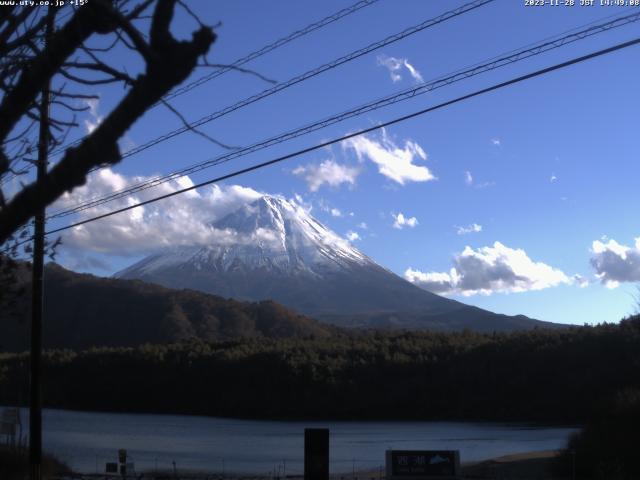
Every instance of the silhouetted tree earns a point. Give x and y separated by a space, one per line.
76 57
73 61
567 376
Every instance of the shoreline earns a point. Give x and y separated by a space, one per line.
300 419
524 465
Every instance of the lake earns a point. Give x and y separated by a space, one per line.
87 440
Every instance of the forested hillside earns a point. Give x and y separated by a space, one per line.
81 311
541 375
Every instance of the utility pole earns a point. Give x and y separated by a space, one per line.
35 400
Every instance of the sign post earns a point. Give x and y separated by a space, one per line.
422 464
316 454
122 461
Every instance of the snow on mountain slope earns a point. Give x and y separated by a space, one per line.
270 233
273 249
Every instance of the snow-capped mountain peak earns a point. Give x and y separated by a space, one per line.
270 233
273 249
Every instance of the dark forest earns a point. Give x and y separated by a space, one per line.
564 376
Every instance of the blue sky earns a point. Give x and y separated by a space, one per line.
496 201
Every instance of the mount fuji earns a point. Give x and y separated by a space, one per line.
274 249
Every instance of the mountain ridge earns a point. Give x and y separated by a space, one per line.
274 249
83 311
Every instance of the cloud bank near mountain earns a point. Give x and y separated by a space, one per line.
487 270
180 220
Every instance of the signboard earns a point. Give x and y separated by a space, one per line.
316 454
414 464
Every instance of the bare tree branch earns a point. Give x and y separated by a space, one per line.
22 39
87 20
238 69
191 128
13 23
70 107
135 13
190 13
139 43
88 81
79 96
168 63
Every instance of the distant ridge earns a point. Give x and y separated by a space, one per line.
280 252
83 311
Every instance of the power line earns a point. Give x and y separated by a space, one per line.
247 58
496 62
403 118
278 43
492 64
309 74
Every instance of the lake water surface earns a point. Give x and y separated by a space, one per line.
86 440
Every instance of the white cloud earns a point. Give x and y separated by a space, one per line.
393 162
553 178
395 65
436 282
488 270
353 236
496 142
328 172
400 221
362 226
333 211
95 119
180 220
413 71
580 281
473 228
470 181
615 263
306 206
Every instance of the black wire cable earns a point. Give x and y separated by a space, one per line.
307 75
241 61
278 43
494 63
403 118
